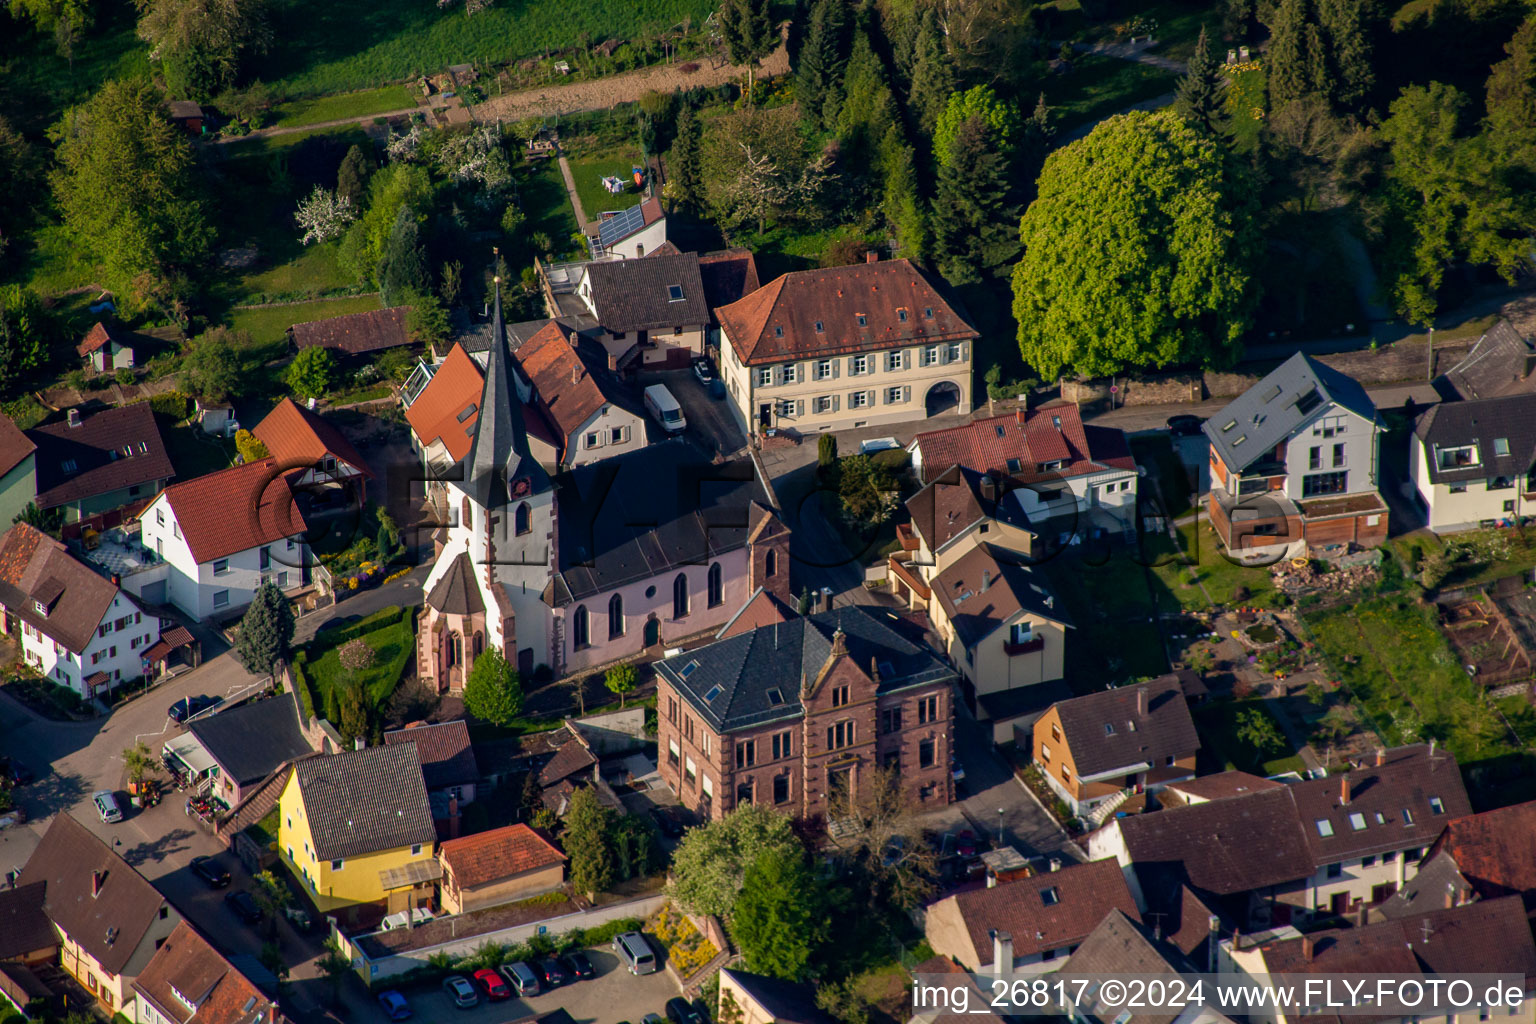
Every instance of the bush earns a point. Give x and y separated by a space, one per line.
894 459
123 376
175 404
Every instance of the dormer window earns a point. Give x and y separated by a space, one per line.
901 315
1456 458
1051 896
1109 728
927 314
674 293
820 327
1015 466
1001 430
863 320
40 608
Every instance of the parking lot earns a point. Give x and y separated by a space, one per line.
614 995
711 424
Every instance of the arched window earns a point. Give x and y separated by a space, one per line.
771 563
680 596
467 516
716 586
581 628
478 644
521 519
615 616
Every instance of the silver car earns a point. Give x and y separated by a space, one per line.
461 991
106 806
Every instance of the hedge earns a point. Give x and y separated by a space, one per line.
539 945
301 684
336 637
174 404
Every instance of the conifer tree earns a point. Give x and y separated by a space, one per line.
1289 74
266 630
933 75
973 222
685 179
1351 27
1201 97
823 56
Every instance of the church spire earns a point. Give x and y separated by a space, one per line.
500 465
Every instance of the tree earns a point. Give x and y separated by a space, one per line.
126 185
427 322
528 129
1512 88
403 263
710 864
24 331
352 176
586 842
493 693
211 367
622 680
452 282
821 61
1258 730
867 490
67 20
748 28
685 186
826 453
980 101
1350 28
1288 67
139 761
200 43
49 522
973 219
886 839
353 709
1170 217
400 185
902 204
1201 96
271 957
311 372
780 918
266 630
249 446
334 966
323 216
272 897
933 74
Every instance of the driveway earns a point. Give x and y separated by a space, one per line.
711 424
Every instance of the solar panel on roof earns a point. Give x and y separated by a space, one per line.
620 226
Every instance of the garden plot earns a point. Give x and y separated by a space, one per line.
1483 641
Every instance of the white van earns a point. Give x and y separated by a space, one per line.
660 404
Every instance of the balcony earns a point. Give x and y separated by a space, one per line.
907 538
1013 650
909 579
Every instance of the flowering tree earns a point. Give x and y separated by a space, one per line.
356 655
323 215
403 147
477 157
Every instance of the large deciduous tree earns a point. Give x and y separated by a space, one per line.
1138 252
212 367
980 101
493 692
23 334
780 918
126 186
200 43
710 864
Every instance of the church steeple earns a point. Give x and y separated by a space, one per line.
500 466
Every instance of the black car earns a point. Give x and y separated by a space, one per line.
244 906
551 973
578 966
681 1011
210 871
189 706
1184 424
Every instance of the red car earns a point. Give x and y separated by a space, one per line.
492 984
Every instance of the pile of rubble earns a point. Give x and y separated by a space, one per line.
1302 576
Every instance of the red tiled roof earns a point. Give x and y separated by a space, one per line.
14 445
1494 850
355 333
1052 433
188 966
564 385
298 437
95 338
448 407
497 854
1084 893
761 609
837 297
235 509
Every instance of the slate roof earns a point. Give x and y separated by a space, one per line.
24 927
1222 847
108 926
488 857
364 801
1494 850
1038 919
499 465
1121 947
985 589
1389 808
777 322
250 741
14 445
299 437
1272 410
449 406
35 567
1482 423
746 667
1019 445
111 449
447 757
189 966
635 295
785 1002
1499 364
355 333
457 593
647 512
1224 785
728 275
235 509
1142 723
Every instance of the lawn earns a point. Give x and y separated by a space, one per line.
392 636
41 83
269 324
193 452
1403 677
1246 102
588 170
1201 553
383 100
541 192
1217 725
1097 87
1114 636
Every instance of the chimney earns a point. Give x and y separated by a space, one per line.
872 257
1307 948
1141 701
1381 756
1344 790
1212 942
98 879
988 488
74 418
1450 896
1002 952
986 580
1055 863
1431 746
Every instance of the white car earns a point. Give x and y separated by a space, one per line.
106 806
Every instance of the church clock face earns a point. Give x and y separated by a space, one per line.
520 488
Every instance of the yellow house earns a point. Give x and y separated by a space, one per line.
356 828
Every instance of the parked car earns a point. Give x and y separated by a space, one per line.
578 965
461 991
492 984
107 806
394 1005
636 952
299 918
210 871
244 906
522 978
703 370
550 973
965 844
681 1011
189 706
1185 425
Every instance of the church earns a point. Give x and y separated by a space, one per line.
598 564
